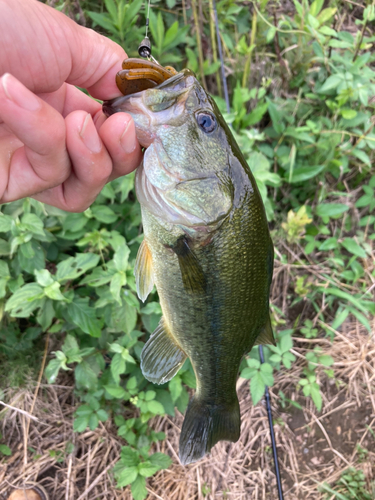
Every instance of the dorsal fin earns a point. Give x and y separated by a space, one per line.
144 277
266 335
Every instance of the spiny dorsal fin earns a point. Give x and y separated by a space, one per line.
266 335
161 356
191 270
144 277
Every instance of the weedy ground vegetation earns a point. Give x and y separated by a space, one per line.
302 88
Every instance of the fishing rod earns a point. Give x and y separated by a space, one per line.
261 354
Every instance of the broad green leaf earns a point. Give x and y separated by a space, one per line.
147 469
5 450
127 476
44 277
121 257
117 367
24 300
102 20
352 246
53 291
175 387
81 423
333 210
85 376
316 396
5 223
72 267
156 407
257 388
116 391
331 83
4 247
129 457
32 223
301 174
161 460
84 316
139 490
52 370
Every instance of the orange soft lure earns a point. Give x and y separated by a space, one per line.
141 74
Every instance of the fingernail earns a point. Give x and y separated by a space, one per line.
90 136
20 95
128 138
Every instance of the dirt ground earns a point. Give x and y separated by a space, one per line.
313 447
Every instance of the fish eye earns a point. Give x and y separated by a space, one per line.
206 121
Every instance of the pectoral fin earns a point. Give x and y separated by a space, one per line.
266 335
191 270
144 277
161 357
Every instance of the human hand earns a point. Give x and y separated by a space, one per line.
55 143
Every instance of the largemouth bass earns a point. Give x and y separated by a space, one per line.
206 247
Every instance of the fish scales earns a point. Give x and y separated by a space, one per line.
207 248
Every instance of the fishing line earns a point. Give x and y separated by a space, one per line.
261 355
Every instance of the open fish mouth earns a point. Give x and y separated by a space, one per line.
152 107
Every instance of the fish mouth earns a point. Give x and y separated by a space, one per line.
152 107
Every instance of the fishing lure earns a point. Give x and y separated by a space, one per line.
141 74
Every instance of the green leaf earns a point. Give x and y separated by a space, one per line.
331 83
129 457
147 469
32 223
102 20
316 396
334 210
4 247
84 316
81 423
117 367
352 246
104 214
121 257
112 9
139 490
5 223
257 388
52 370
116 391
5 450
43 277
160 460
53 291
301 174
24 300
71 268
85 376
127 476
93 421
155 407
175 387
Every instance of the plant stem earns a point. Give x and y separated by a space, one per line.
247 69
199 43
213 45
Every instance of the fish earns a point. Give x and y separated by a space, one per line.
206 248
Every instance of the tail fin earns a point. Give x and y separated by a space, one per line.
204 426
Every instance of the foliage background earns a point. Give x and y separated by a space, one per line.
302 87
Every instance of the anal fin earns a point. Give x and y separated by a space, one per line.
144 277
161 356
266 335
